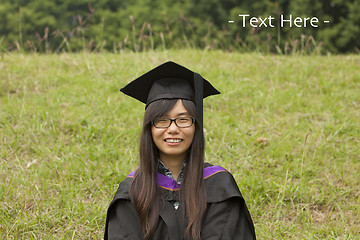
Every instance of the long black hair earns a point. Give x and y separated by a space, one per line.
144 191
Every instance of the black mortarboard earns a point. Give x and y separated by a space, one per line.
171 81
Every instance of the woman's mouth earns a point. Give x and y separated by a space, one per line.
173 140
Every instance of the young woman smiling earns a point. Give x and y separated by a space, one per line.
174 140
174 194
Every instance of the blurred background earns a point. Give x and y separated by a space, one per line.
140 25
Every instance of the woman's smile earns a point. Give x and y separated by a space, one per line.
173 141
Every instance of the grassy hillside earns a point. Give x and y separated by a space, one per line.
287 127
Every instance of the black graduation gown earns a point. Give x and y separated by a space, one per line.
226 216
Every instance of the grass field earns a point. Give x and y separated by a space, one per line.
287 127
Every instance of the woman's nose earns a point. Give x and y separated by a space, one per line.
173 128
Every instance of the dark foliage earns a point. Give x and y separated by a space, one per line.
115 25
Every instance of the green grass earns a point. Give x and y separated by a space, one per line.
287 127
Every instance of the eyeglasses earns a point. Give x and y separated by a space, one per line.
181 122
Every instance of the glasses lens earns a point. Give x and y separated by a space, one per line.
162 122
184 122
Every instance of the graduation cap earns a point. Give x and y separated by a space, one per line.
171 81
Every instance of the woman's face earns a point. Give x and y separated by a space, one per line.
173 142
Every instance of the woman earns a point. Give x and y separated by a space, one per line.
174 194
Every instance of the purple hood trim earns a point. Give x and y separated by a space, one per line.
209 171
170 184
131 175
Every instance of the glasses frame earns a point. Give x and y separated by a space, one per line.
174 120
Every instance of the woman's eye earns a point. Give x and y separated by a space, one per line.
161 120
183 119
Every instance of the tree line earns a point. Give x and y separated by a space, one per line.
139 25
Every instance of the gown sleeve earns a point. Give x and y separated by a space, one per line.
123 222
227 220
